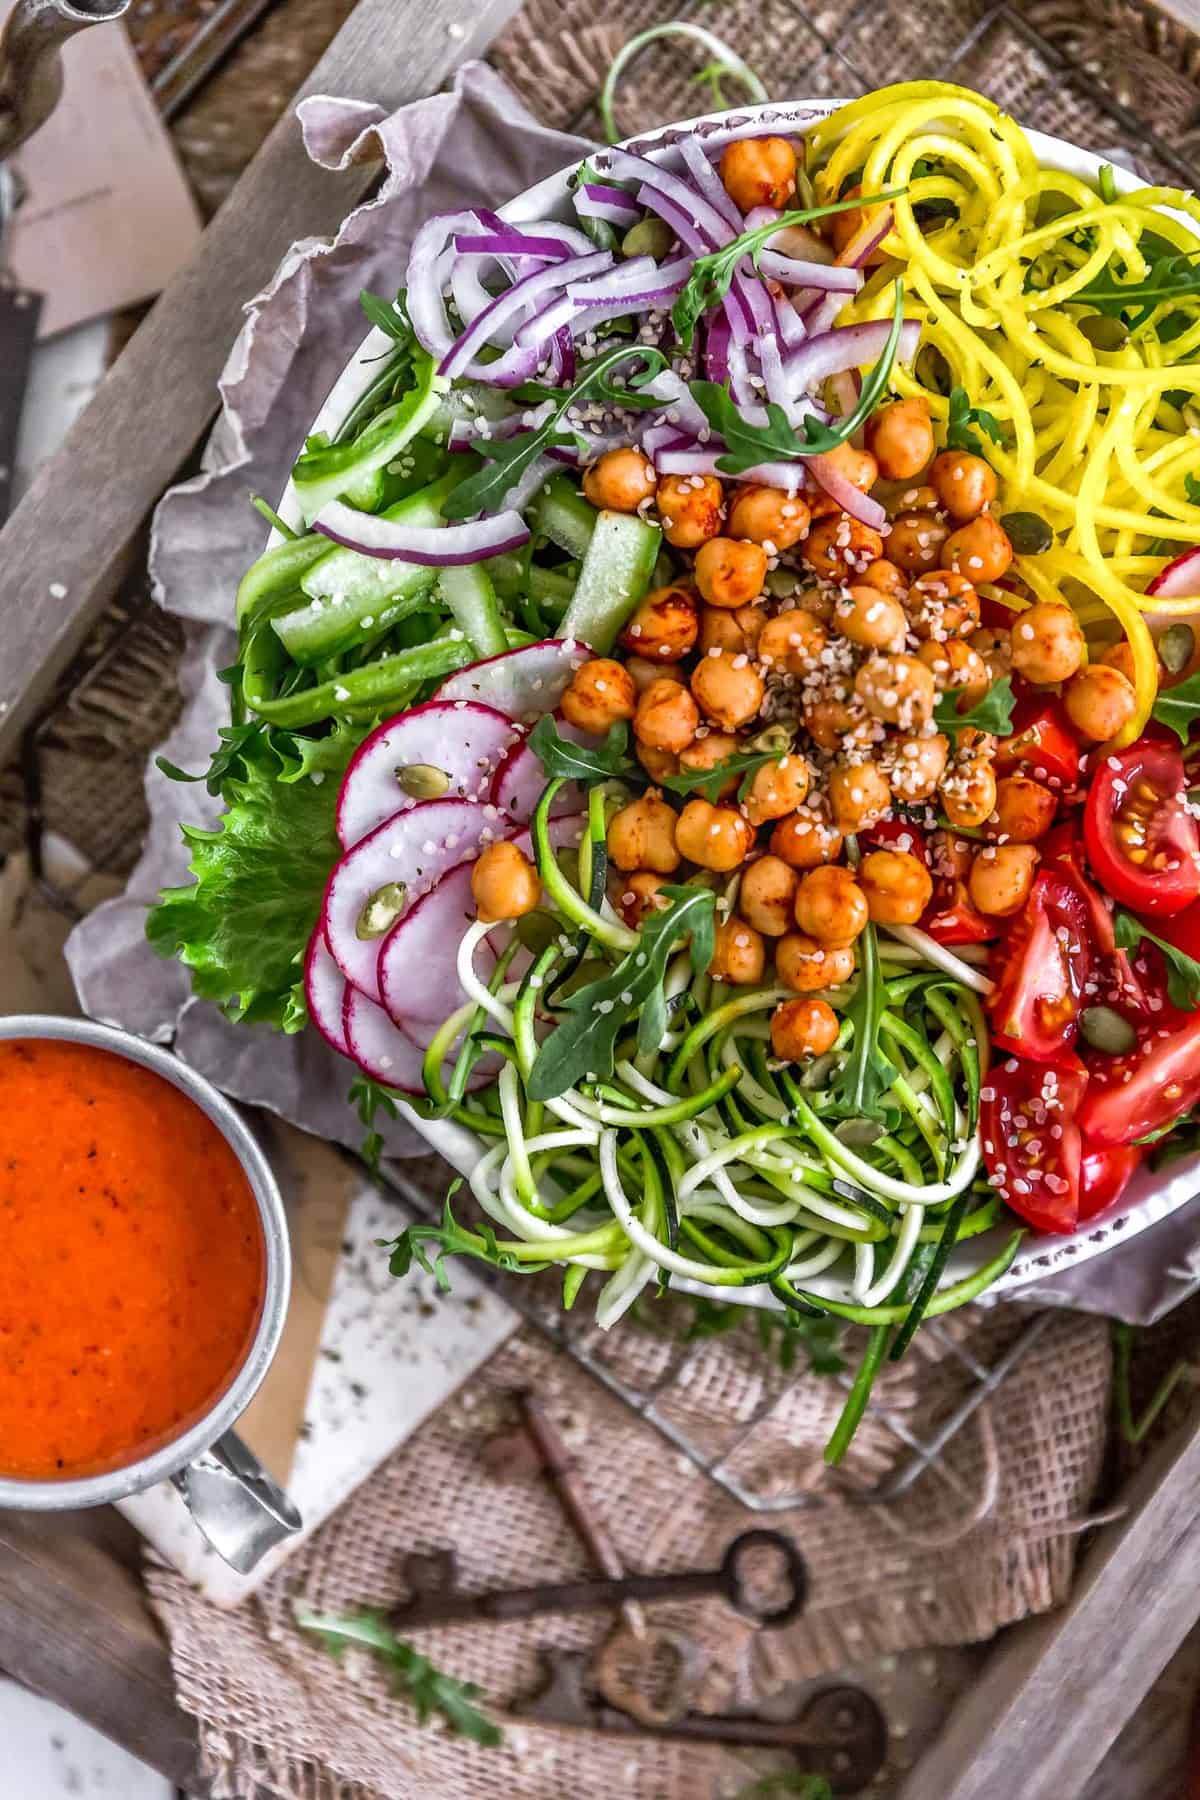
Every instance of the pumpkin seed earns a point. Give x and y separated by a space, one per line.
1176 647
422 781
773 737
1107 1030
649 237
1104 332
381 910
1028 533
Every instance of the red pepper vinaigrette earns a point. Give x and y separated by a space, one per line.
132 1262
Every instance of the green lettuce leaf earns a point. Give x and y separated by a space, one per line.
243 924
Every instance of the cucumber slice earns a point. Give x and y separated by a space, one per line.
561 514
277 572
331 471
617 571
468 592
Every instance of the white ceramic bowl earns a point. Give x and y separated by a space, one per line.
1149 1197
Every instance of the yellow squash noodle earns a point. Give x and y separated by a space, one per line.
1008 265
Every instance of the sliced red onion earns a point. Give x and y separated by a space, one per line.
852 500
717 339
426 276
749 309
562 358
789 323
599 200
518 496
444 546
703 460
642 282
710 185
847 347
682 413
679 218
660 185
819 312
512 368
511 242
792 240
664 437
868 237
846 389
794 273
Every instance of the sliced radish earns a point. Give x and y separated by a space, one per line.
522 683
324 989
518 783
418 973
413 849
467 743
383 1052
1180 580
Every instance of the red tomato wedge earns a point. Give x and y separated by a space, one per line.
897 834
1040 968
1130 1096
953 918
1141 841
1062 849
1104 1176
1042 744
1031 1143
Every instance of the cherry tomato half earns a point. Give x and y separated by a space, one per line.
897 834
1031 1143
953 918
1042 744
1141 841
1040 967
1104 1176
1062 849
1130 1096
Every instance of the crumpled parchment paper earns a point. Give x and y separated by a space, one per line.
474 145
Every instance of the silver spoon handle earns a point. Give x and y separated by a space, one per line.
31 63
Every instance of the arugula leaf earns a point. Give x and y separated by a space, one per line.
1173 275
993 713
709 782
962 416
507 459
581 762
712 275
584 1042
370 1097
1179 706
453 1239
861 1085
748 445
242 926
390 316
1183 971
413 1675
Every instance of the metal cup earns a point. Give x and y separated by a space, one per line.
239 1508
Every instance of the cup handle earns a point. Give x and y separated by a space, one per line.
237 1506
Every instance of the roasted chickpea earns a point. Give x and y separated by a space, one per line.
664 627
1120 656
897 884
980 551
708 751
739 954
1099 701
690 509
1024 809
720 630
839 546
968 790
768 894
915 541
728 689
792 640
964 484
870 618
1047 643
856 466
859 795
830 905
658 764
817 601
994 645
638 896
914 764
838 724
768 516
801 1028
620 480
845 226
898 689
666 717
954 664
803 964
777 788
729 572
942 604
885 576
642 673
601 692
919 499
642 836
1001 877
751 621
900 436
806 839
504 883
759 172
714 837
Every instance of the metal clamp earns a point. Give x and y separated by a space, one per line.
31 74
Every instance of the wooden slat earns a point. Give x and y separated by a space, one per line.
67 546
75 1626
1057 1691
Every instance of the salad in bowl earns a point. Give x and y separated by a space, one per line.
711 735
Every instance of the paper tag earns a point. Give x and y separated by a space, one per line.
20 310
